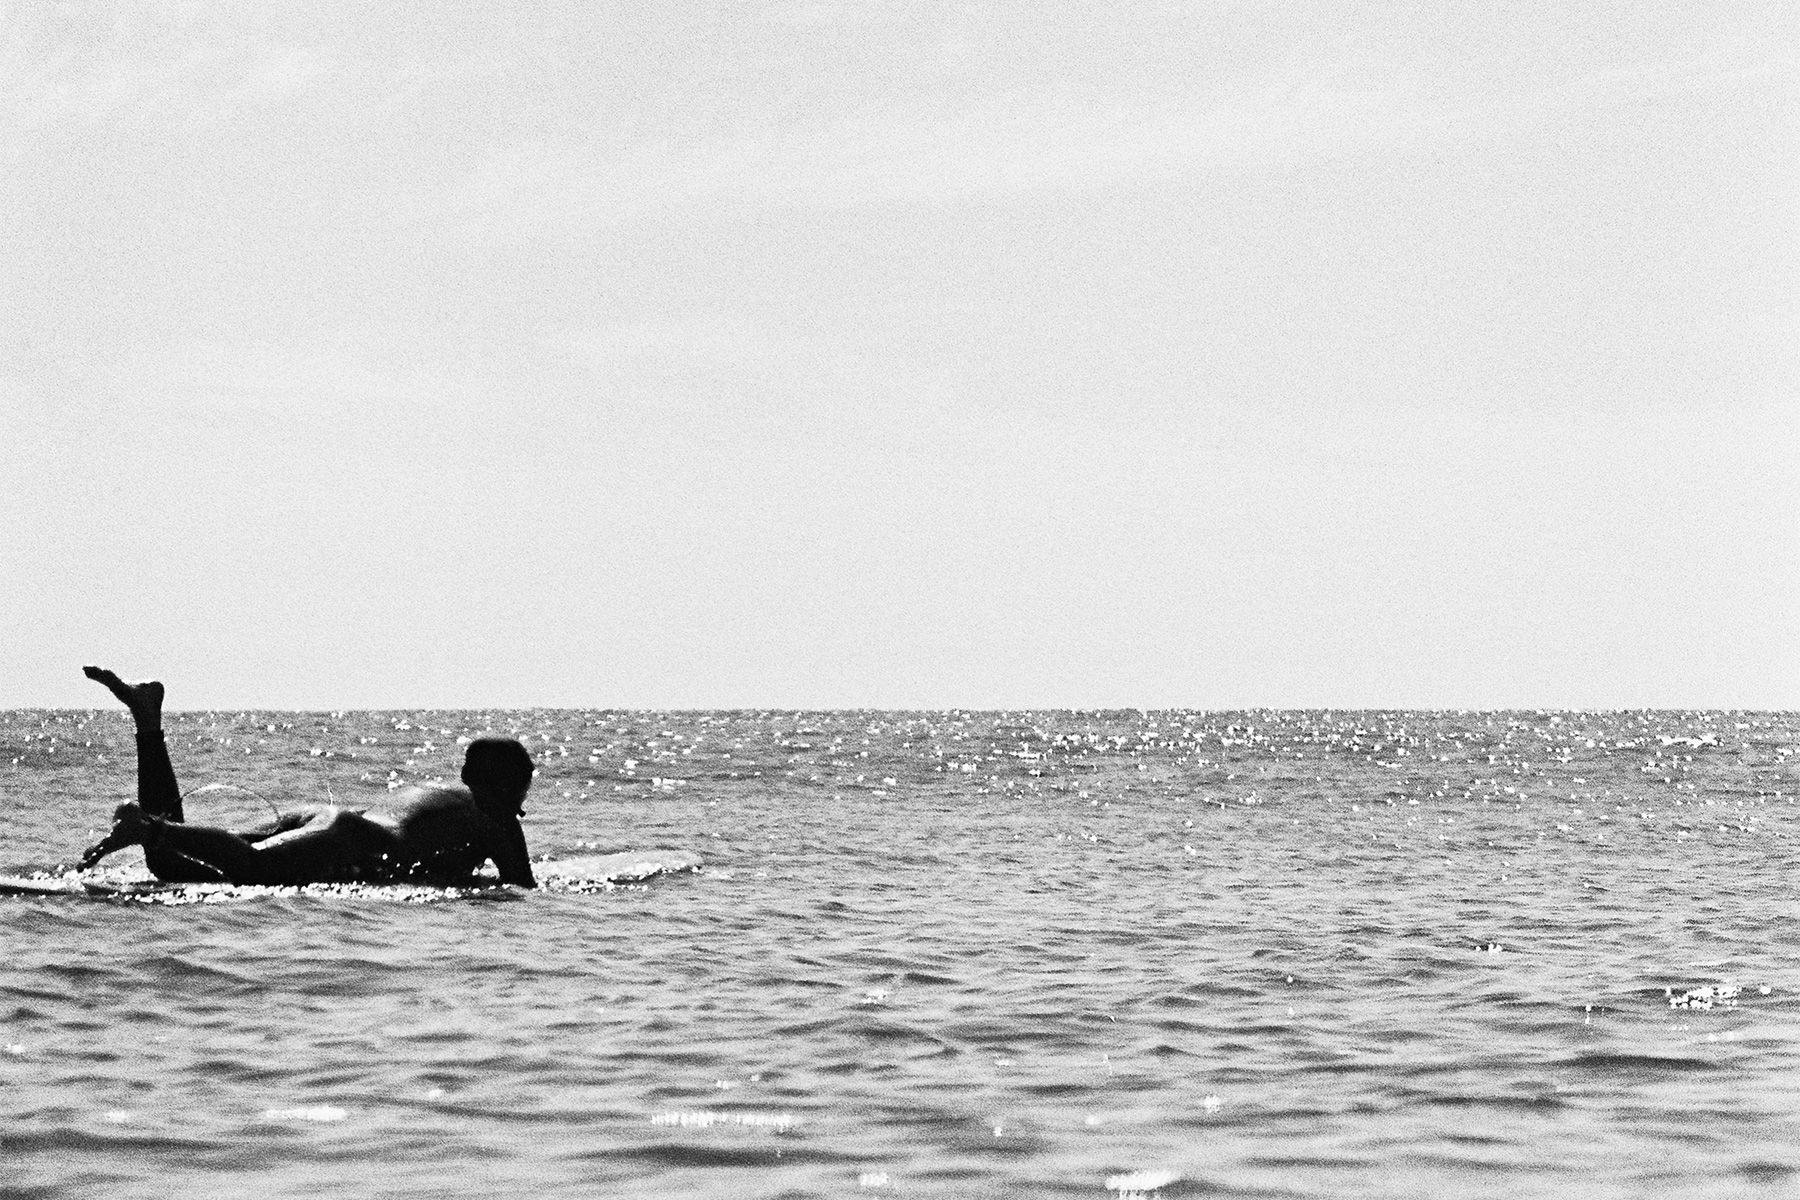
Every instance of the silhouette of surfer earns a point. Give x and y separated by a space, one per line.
440 837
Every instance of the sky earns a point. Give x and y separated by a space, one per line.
913 354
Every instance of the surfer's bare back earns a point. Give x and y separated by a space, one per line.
441 836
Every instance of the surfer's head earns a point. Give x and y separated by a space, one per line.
498 767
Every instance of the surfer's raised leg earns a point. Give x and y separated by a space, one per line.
145 700
158 793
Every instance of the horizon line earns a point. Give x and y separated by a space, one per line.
1544 710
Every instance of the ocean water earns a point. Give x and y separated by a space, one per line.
949 954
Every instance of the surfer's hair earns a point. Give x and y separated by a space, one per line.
498 763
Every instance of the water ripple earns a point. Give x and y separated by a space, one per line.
946 954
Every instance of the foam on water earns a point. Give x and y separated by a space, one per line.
940 954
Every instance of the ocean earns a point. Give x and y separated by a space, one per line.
941 954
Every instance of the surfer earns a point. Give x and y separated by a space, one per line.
442 835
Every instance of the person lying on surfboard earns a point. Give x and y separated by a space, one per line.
441 836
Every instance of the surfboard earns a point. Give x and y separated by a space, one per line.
581 873
599 870
45 885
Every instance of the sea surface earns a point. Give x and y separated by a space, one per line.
944 954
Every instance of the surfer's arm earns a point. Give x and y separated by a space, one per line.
510 857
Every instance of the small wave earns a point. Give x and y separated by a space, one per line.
1523 1103
706 1119
1636 1063
736 1153
1139 1183
316 1112
64 1140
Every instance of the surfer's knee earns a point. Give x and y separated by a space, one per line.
172 866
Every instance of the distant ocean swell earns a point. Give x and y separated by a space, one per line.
1083 954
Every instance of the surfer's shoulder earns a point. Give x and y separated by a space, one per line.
432 797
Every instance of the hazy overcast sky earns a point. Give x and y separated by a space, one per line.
902 354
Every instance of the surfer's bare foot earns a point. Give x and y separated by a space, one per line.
130 827
145 700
